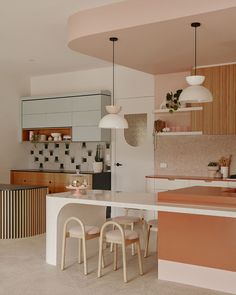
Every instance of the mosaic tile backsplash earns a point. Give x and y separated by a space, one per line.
67 156
190 155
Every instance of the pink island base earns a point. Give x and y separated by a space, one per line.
198 249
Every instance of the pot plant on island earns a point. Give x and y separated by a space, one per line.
212 167
98 164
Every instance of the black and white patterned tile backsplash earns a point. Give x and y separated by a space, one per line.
68 156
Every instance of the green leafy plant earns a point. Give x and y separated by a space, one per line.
172 100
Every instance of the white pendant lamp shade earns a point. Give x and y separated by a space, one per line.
195 93
113 120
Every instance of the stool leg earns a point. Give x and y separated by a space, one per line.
139 258
124 262
63 250
100 257
115 257
85 256
133 245
147 241
80 246
111 245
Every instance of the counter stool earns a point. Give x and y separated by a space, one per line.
82 233
125 221
151 226
118 236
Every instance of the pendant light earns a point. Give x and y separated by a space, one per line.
195 93
113 120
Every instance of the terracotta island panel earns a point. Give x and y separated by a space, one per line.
201 240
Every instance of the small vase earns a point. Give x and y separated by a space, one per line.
97 167
225 171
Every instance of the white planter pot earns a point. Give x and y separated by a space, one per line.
225 171
97 167
212 171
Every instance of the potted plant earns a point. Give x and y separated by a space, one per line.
172 100
212 167
98 164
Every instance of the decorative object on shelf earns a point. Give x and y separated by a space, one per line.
50 138
159 125
113 120
56 136
212 168
42 137
166 129
225 165
66 137
98 164
31 134
172 100
35 137
195 93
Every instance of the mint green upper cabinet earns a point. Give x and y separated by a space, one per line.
82 112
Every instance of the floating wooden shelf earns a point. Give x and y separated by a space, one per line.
178 133
188 109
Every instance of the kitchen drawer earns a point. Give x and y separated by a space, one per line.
208 183
87 118
86 103
168 184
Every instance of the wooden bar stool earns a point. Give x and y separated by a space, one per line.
151 226
118 236
82 233
127 220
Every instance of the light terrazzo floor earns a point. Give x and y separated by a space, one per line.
23 271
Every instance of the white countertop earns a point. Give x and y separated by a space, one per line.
136 200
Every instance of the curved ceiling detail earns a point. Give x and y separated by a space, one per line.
155 36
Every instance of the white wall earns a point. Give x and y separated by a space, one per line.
12 152
128 82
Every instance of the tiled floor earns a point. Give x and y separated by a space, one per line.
23 271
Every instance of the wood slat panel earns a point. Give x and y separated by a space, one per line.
219 116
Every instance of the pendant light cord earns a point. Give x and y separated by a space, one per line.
195 51
113 69
195 25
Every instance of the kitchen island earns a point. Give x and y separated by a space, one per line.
199 249
22 211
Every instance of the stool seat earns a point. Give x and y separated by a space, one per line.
115 235
76 231
126 219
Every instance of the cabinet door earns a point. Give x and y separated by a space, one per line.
34 121
86 103
86 133
58 120
86 118
168 184
50 105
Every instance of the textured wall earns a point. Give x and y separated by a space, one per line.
190 155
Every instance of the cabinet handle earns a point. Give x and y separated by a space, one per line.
50 181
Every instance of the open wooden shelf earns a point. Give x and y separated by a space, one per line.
188 109
178 133
47 132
